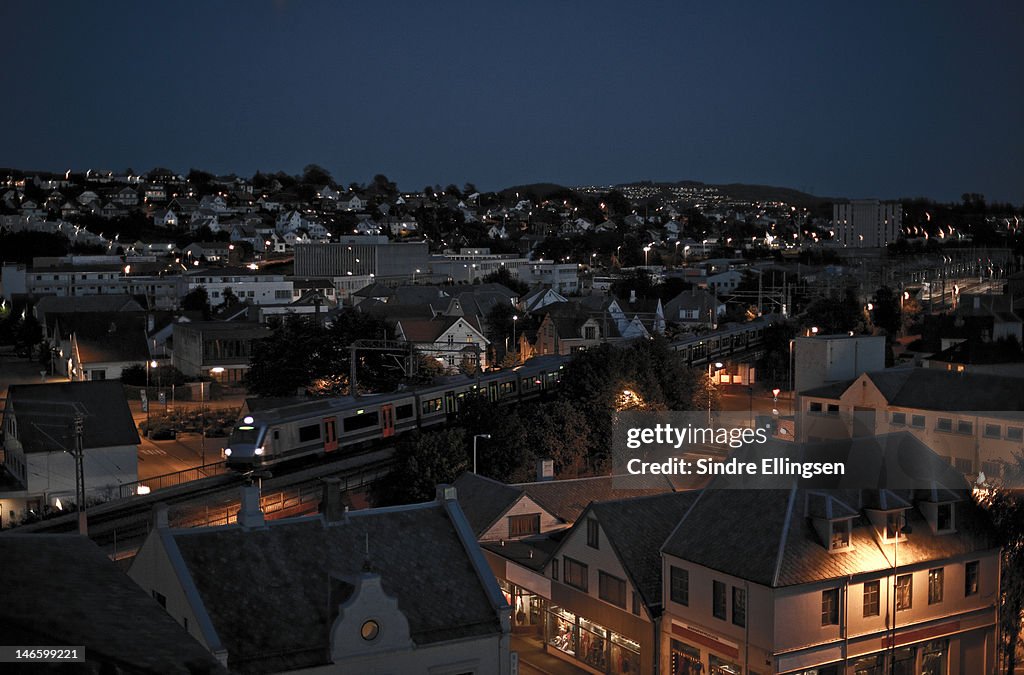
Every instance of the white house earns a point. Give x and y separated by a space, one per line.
455 341
40 432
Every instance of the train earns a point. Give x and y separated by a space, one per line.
271 431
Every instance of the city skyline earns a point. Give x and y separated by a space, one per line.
842 102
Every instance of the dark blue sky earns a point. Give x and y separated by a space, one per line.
857 99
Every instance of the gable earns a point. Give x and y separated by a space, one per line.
523 506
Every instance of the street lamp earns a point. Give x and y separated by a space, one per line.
717 365
515 346
647 249
477 436
153 364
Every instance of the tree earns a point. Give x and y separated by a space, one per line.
22 247
504 277
315 175
197 300
422 461
29 334
886 311
230 299
1005 506
840 313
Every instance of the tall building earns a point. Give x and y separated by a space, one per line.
867 223
367 256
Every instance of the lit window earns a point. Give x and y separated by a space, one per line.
904 592
872 598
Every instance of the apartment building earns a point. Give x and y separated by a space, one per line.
974 421
867 223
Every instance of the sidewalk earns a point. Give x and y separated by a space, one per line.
532 658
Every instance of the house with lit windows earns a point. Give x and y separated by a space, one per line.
456 342
833 581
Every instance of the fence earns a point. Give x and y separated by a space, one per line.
168 480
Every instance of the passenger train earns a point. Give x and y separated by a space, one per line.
268 432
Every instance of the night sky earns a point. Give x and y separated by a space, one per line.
859 99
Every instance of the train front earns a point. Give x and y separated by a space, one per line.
245 447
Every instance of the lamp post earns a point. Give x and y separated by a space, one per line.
153 364
147 396
716 365
792 394
647 249
478 436
515 346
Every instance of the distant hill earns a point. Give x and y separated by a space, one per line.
541 190
747 192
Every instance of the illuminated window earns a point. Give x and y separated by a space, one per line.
904 592
936 579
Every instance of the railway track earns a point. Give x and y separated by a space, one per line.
119 527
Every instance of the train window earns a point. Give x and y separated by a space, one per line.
506 388
310 433
403 411
364 421
432 406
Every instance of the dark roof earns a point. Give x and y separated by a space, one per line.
56 304
566 499
935 389
977 352
62 590
106 336
483 499
45 414
771 538
268 595
636 529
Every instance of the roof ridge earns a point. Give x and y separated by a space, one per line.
784 536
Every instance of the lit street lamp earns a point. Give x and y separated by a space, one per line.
478 436
515 346
717 365
647 249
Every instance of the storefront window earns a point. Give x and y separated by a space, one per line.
625 656
934 657
867 665
903 662
593 645
562 630
719 666
684 659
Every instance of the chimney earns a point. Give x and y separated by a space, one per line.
545 469
446 493
632 296
249 513
330 500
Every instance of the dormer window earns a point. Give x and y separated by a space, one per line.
944 517
894 522
840 538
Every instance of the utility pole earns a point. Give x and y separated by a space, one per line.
79 428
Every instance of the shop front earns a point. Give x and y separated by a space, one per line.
527 608
693 651
585 643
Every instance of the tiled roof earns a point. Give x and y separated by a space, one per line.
45 414
636 529
268 594
62 590
566 499
483 499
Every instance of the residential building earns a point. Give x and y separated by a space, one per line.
695 308
200 346
973 421
390 590
39 442
261 286
834 581
867 223
457 342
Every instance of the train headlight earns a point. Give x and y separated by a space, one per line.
227 452
259 450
